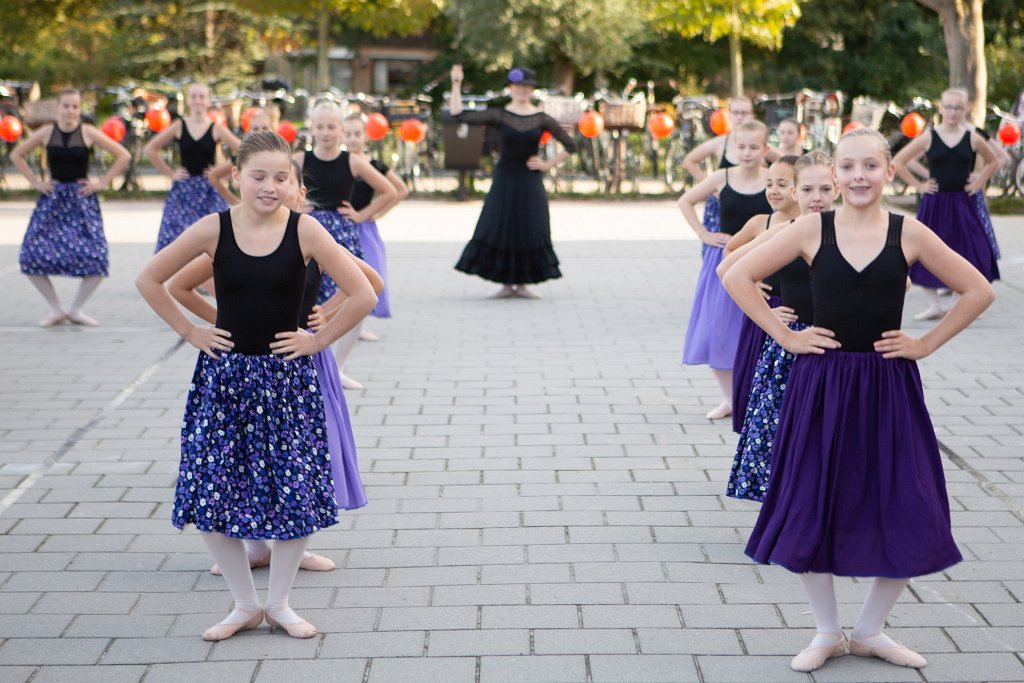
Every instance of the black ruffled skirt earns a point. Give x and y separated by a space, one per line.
512 241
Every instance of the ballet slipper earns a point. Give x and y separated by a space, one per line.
368 336
254 563
219 632
317 563
348 383
504 293
897 654
930 314
302 629
82 319
813 658
53 319
523 293
724 409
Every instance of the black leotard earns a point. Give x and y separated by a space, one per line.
795 289
258 296
858 306
197 155
330 182
773 279
362 191
67 156
724 161
737 208
950 166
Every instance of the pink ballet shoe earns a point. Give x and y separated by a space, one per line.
53 319
219 632
813 658
317 563
724 409
254 563
504 293
523 292
368 336
302 629
82 319
897 654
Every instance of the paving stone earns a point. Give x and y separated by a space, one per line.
333 670
648 668
536 669
429 670
475 643
99 674
52 651
157 650
696 641
375 644
588 641
211 671
529 616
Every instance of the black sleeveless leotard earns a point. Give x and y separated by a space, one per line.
737 208
724 161
258 296
197 155
858 306
950 166
362 191
795 289
330 182
67 156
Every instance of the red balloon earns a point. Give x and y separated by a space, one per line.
661 125
158 119
217 116
591 124
288 131
852 125
721 124
412 131
377 126
912 124
114 128
10 128
247 116
1009 133
545 137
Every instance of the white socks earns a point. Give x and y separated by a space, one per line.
230 556
881 599
822 596
284 565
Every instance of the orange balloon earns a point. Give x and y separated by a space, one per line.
721 124
217 116
912 124
377 126
114 128
852 125
661 125
247 116
545 137
412 131
288 131
1009 133
591 124
10 128
158 119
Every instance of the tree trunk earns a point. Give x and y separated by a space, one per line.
323 74
564 76
736 62
964 34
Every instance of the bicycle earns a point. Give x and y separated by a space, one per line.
693 121
623 114
1010 178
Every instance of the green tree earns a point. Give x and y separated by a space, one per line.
760 22
964 33
579 37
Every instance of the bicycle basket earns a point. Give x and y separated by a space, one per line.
622 114
40 112
565 110
400 110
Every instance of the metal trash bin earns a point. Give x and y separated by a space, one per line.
463 147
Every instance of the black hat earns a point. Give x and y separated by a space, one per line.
522 76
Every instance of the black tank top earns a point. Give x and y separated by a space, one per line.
858 305
258 296
310 291
67 156
197 155
362 192
795 289
773 279
950 166
724 162
737 208
329 182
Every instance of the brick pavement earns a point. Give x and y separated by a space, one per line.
542 482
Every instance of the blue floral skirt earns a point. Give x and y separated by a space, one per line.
254 452
187 202
65 235
986 222
345 233
712 218
752 465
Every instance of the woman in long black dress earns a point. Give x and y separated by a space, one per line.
512 241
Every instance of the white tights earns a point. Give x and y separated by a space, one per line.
878 604
230 554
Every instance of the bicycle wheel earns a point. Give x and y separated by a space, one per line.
1018 176
675 176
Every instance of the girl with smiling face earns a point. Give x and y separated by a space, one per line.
712 335
857 487
254 451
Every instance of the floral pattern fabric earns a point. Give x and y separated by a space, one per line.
65 235
345 233
187 202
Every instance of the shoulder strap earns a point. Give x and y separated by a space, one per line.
226 239
894 237
828 227
767 222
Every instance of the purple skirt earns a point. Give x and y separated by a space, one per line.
65 235
953 216
348 486
714 330
857 487
187 202
986 222
344 233
748 350
373 254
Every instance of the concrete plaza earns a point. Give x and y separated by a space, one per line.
546 497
